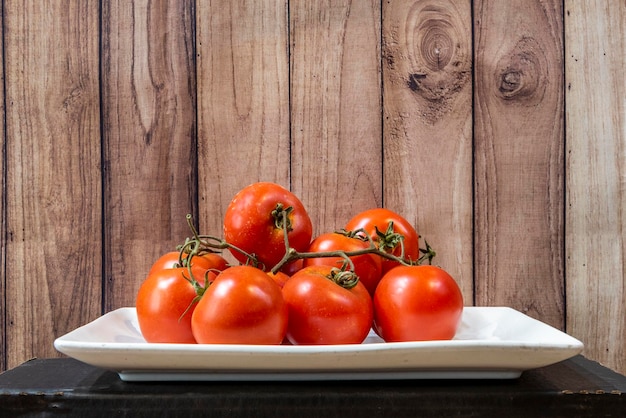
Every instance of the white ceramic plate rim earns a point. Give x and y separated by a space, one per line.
492 342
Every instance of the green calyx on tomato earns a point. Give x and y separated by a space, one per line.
344 278
281 218
389 240
428 254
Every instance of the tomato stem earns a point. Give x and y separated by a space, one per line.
291 254
196 242
390 239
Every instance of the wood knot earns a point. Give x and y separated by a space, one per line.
522 73
428 49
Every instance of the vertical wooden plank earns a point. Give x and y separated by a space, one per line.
149 129
53 193
243 101
336 108
519 156
596 173
3 230
427 78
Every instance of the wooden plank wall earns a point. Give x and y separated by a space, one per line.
498 128
595 127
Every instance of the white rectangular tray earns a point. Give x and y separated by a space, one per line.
491 343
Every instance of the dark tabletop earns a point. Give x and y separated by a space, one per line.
65 387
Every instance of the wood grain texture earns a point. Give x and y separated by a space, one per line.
148 96
53 177
596 173
336 109
428 126
519 112
3 206
243 101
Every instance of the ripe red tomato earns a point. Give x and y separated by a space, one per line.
367 266
243 305
417 303
165 304
253 222
379 218
323 312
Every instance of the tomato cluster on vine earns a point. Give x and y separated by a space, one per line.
290 287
